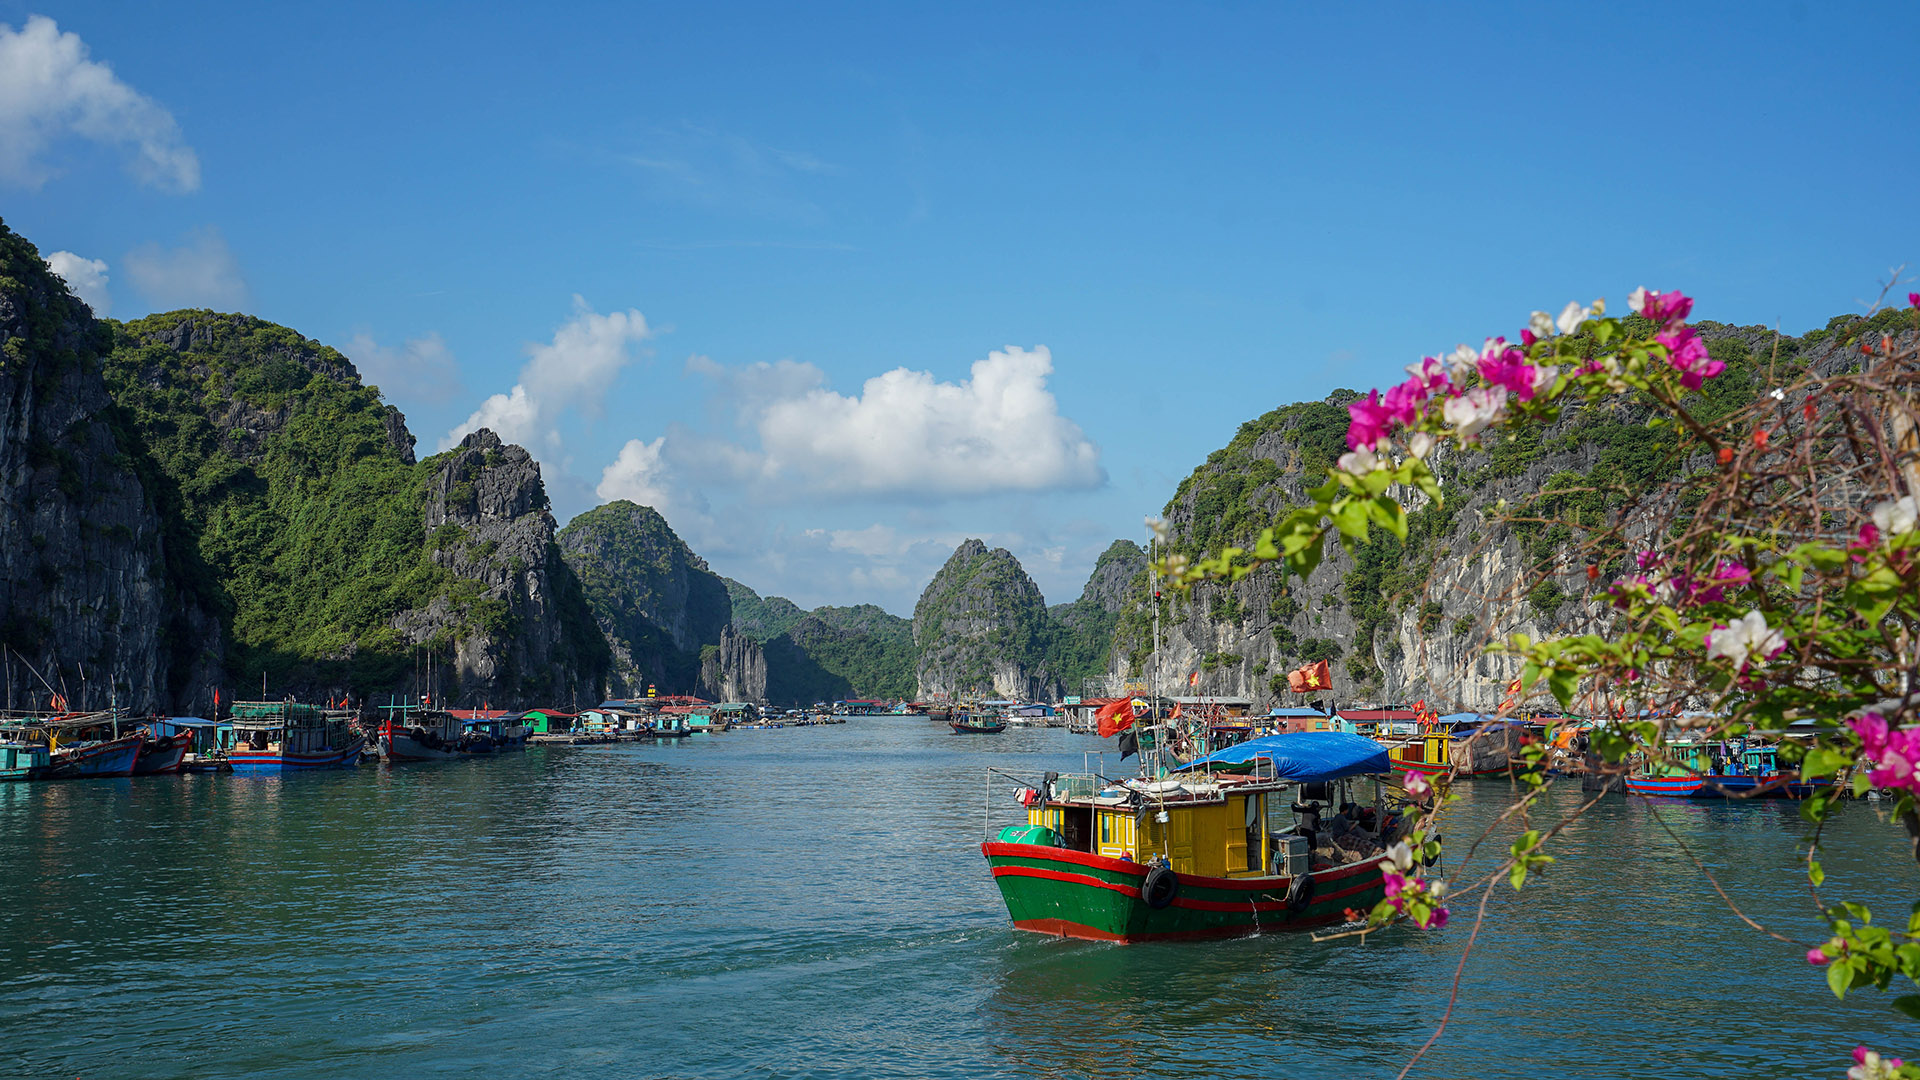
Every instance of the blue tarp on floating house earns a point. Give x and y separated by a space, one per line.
1307 756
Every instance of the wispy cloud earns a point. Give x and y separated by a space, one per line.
50 89
86 278
729 173
572 372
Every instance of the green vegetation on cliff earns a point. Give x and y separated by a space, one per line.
829 653
654 598
284 478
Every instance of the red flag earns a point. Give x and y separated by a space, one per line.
1193 679
1297 680
1320 677
1115 718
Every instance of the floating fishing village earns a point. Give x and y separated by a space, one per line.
937 543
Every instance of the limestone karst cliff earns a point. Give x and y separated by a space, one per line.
657 602
1411 620
87 606
982 628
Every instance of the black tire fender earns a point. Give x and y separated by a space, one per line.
1160 888
1300 893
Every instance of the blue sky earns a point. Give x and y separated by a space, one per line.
1087 243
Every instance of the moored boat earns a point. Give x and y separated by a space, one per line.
276 736
1727 769
1206 852
977 724
411 733
111 757
162 753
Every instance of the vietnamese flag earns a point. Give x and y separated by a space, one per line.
1115 718
1319 676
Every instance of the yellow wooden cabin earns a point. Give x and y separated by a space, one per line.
1218 833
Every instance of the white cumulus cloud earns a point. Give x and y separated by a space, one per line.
572 372
421 369
50 89
200 273
86 278
907 433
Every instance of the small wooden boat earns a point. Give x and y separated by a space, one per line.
1205 854
23 759
162 754
413 733
979 726
1729 769
114 757
1433 751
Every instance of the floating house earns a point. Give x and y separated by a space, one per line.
549 721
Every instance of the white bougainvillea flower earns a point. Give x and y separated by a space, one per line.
1360 462
1419 444
1572 316
1599 306
1159 528
1541 324
1474 411
1748 641
1461 363
1401 856
1896 516
1543 376
1176 565
1637 299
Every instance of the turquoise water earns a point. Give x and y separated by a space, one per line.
812 903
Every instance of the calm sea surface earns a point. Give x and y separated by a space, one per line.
812 902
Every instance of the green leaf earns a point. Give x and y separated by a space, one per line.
1389 515
1815 874
1908 1004
1517 875
1563 682
1839 977
1821 761
1350 517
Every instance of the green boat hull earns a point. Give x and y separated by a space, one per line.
1052 890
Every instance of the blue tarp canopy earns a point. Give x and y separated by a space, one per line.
1307 756
1296 712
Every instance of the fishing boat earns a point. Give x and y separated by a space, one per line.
109 757
415 733
1449 744
162 753
22 758
1721 769
669 726
1238 842
978 724
277 736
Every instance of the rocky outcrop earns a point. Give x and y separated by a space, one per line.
829 653
1410 621
981 628
1116 580
733 670
656 601
514 615
86 606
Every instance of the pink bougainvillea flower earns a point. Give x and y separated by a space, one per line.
1688 355
1430 373
1713 590
1816 957
1913 299
1667 308
1868 1065
1370 421
1509 368
1647 559
1395 884
1872 729
1869 535
1403 401
1416 784
1436 919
